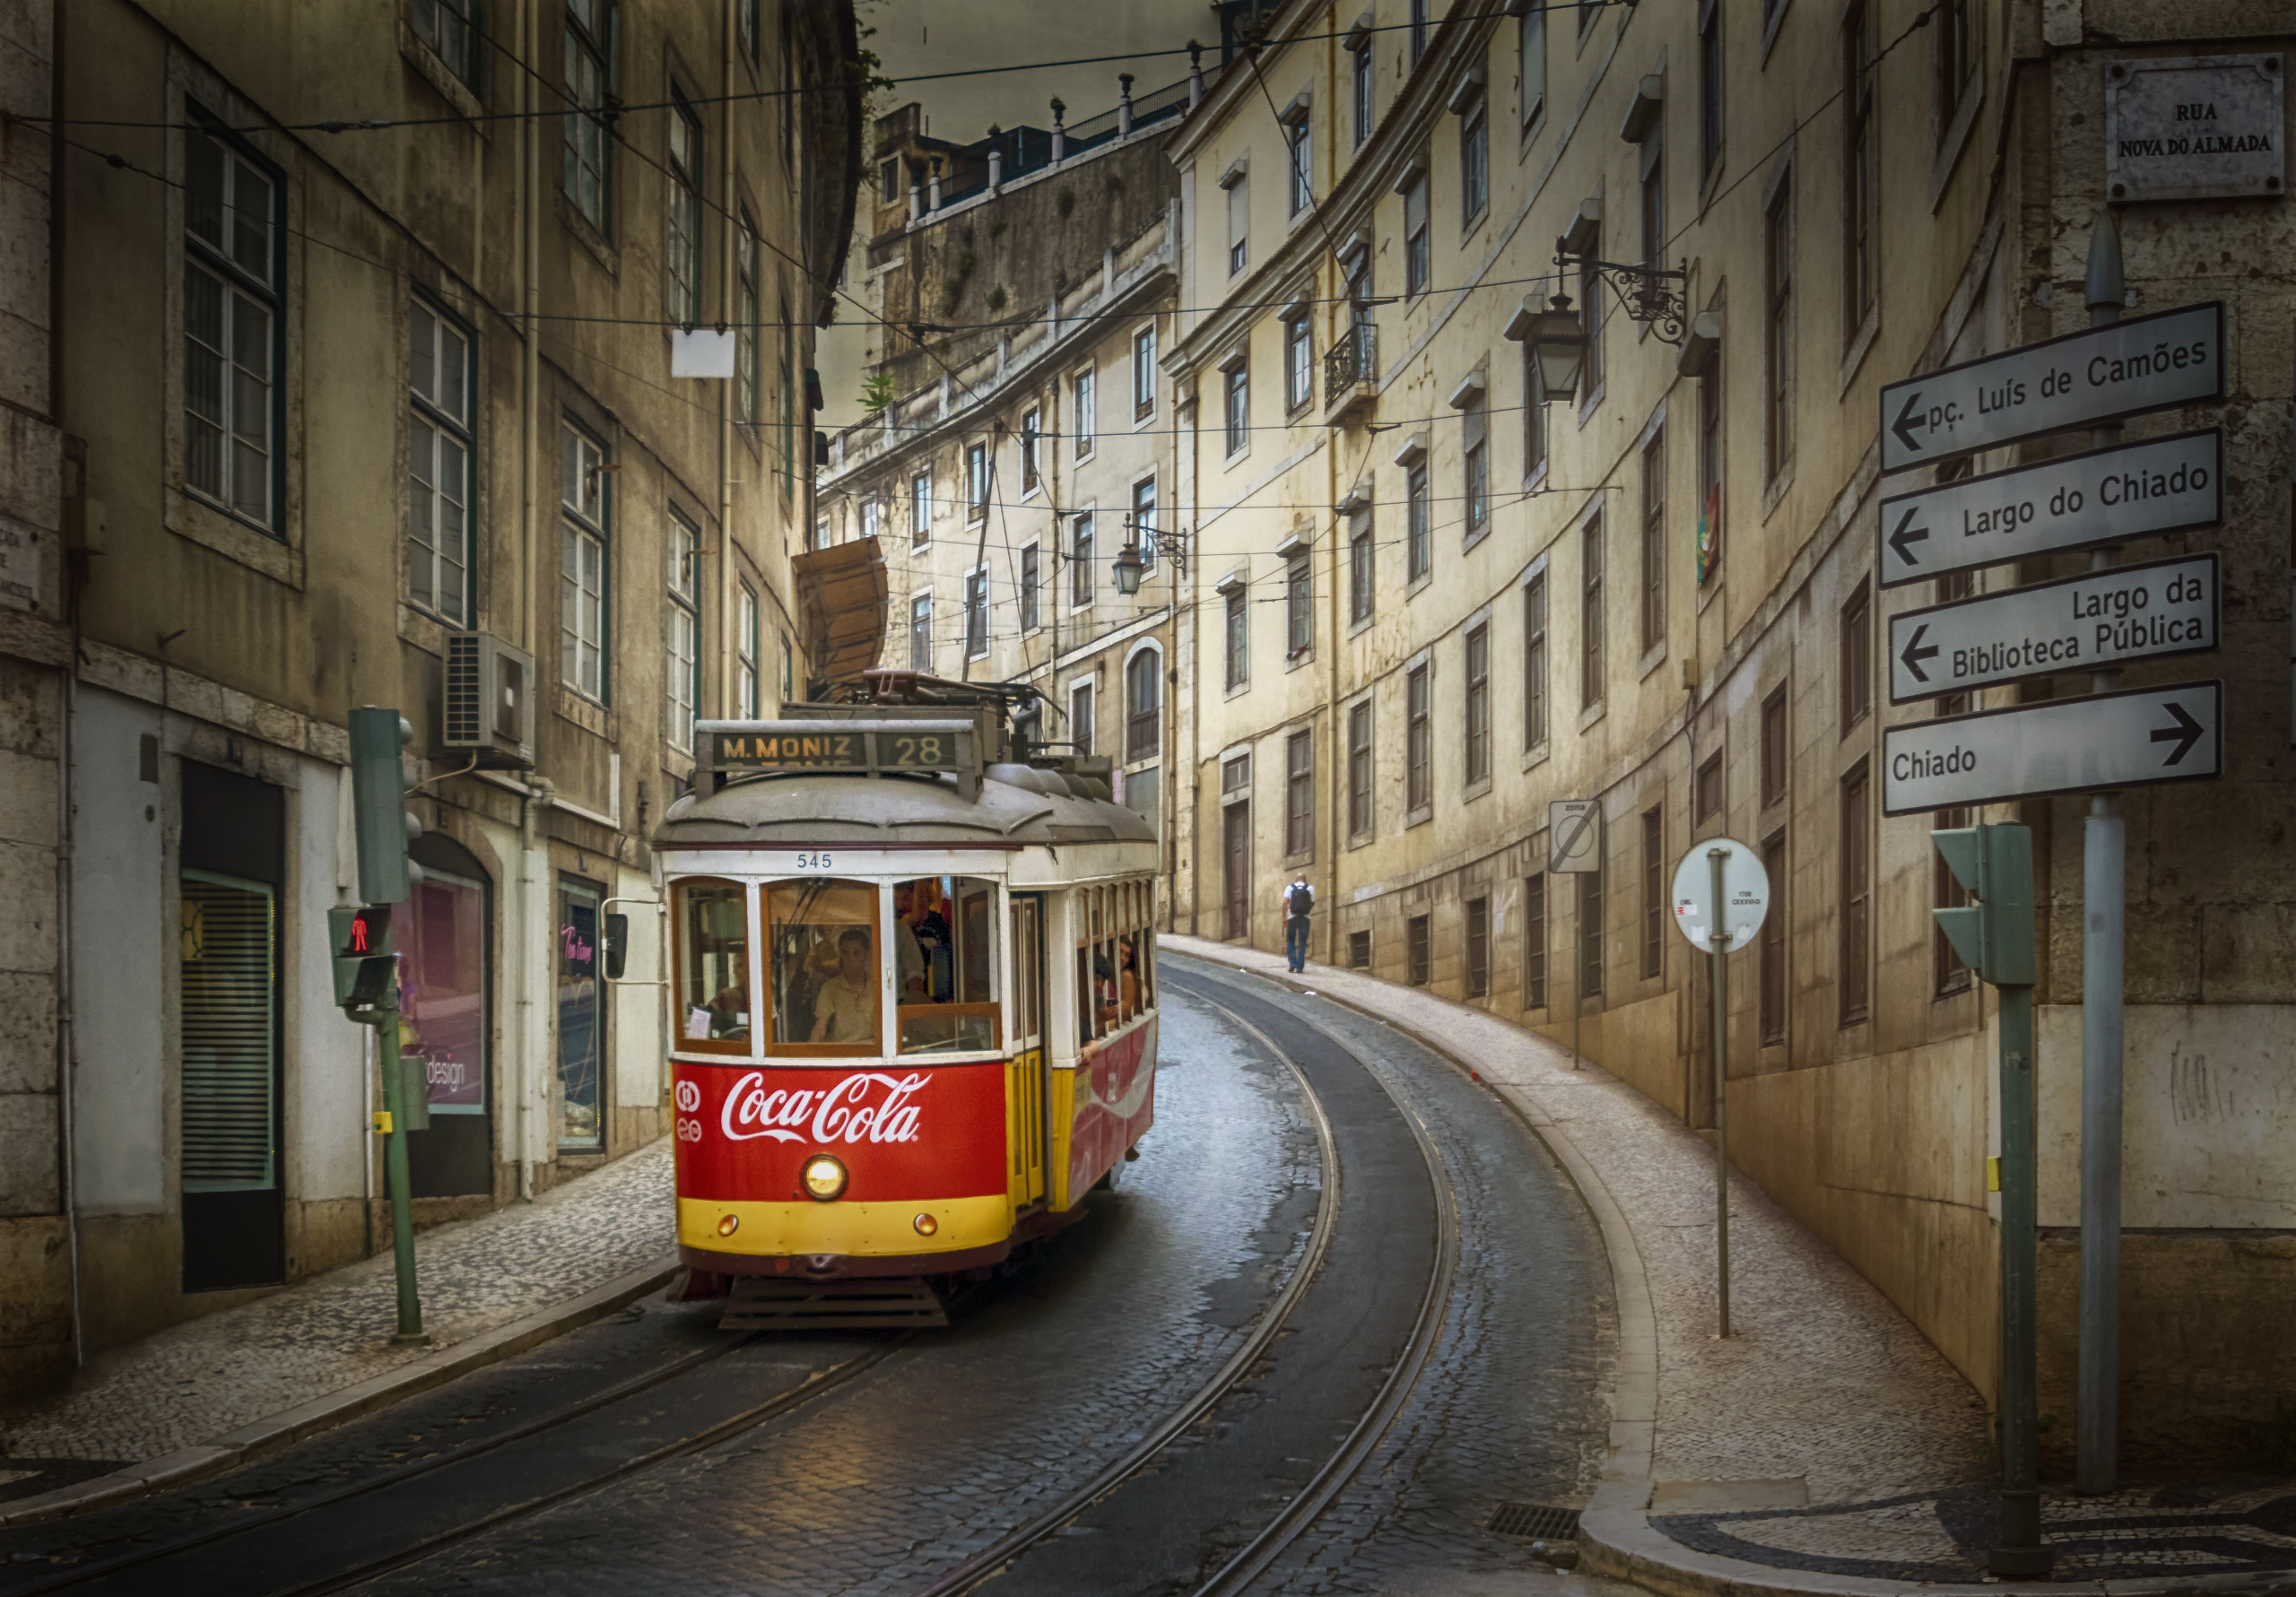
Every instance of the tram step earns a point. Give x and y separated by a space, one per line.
768 1303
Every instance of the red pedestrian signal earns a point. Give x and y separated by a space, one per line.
358 936
364 964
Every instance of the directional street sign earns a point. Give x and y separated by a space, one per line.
2074 502
2098 375
2080 623
1745 892
1574 835
2060 745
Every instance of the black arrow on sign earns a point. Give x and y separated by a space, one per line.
1907 535
1914 654
1905 418
2185 733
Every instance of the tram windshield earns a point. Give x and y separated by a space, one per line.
825 974
713 947
944 949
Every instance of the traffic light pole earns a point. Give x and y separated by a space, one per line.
2019 1551
394 1166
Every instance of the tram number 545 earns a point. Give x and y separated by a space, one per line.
815 862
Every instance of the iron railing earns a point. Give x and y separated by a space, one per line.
1353 359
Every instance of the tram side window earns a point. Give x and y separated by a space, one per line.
944 952
713 959
824 973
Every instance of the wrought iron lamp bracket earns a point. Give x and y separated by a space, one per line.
1650 295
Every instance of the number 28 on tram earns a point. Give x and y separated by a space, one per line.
913 1015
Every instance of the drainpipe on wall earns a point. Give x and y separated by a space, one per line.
531 960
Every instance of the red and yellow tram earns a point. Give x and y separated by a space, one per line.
912 993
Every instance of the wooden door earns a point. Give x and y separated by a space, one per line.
1236 839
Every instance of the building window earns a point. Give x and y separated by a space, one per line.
1857 658
1475 457
1710 87
1300 794
788 671
1086 413
683 248
1143 523
682 653
1031 588
1478 705
1240 223
1474 160
745 27
1946 892
1957 45
1778 332
1415 255
1237 633
1654 541
589 145
1590 614
1237 405
1654 892
1143 705
1031 432
1081 732
440 468
1860 167
1478 948
1419 522
1144 374
1300 166
1774 755
1359 564
1535 942
1298 362
920 633
1418 29
1534 433
789 433
869 516
920 507
1359 950
233 342
888 182
1591 933
1711 787
1652 195
1590 301
446 26
1359 69
1534 687
1772 1017
976 614
1857 897
1419 742
1417 942
1359 770
1530 48
746 654
1709 469
745 314
583 581
1298 607
976 482
1080 560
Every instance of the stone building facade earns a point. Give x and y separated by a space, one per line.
368 345
1427 602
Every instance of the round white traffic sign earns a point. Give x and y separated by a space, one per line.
1745 893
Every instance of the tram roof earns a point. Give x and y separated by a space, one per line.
1018 803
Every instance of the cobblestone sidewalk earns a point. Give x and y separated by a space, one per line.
1826 1438
195 1382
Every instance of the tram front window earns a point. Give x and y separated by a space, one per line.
944 952
713 965
825 974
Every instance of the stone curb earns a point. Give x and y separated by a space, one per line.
277 1432
1614 1530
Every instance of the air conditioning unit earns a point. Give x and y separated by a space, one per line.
488 705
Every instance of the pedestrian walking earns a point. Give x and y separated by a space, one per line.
1299 903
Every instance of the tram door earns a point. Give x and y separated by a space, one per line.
1025 1094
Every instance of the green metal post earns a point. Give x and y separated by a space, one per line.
1720 955
410 1305
2020 1552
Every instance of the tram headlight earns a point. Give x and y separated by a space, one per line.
926 1225
729 1225
825 1177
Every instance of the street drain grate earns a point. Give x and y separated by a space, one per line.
1536 1520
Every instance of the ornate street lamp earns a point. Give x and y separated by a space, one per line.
1127 568
1558 343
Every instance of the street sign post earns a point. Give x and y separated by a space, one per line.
2075 501
1574 847
2099 374
1721 896
2078 623
2061 745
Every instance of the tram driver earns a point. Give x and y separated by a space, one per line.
845 1005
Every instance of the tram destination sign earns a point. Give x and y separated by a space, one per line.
2129 739
857 745
2169 484
2081 379
2078 623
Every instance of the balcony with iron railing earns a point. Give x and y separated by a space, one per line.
1351 370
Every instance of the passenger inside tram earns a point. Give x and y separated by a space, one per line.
821 969
715 953
845 1005
950 1005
